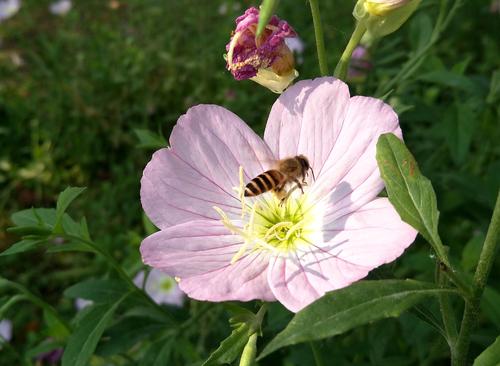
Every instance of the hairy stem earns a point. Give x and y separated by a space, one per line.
318 33
483 268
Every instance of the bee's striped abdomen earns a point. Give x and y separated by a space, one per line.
263 183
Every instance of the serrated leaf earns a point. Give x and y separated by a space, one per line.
149 140
97 290
231 347
344 309
490 356
83 341
408 190
267 10
22 246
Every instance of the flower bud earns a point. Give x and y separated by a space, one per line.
266 60
382 17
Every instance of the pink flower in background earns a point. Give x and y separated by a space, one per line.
266 60
360 65
161 288
5 331
224 246
9 8
81 304
60 7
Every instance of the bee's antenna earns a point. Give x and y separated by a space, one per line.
312 171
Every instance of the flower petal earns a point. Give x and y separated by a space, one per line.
354 245
350 176
200 253
208 145
307 119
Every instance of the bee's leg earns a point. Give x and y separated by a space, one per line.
288 194
299 185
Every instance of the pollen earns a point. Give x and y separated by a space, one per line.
266 224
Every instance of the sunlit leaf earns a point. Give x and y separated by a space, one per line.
231 347
409 191
490 356
347 308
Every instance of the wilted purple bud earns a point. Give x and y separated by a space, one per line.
360 65
51 357
266 60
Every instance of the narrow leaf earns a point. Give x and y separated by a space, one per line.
344 309
409 191
97 290
231 347
267 10
149 140
64 200
82 343
22 246
490 356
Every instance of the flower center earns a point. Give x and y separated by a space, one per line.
269 224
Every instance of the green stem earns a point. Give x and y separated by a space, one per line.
318 33
116 266
317 354
447 313
483 268
416 61
342 66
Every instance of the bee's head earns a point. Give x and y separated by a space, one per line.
304 162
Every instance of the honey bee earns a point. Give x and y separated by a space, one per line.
288 170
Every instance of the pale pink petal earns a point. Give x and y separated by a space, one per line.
244 280
350 176
307 119
200 253
208 145
354 245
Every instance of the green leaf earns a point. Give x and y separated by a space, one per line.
56 329
83 341
158 354
22 246
490 356
460 125
70 247
347 308
64 200
126 333
409 191
489 305
34 217
231 347
98 290
267 10
149 140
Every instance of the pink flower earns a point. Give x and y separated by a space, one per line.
266 60
360 65
224 246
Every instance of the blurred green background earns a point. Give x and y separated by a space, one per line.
86 97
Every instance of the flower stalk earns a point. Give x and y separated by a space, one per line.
318 34
343 64
483 269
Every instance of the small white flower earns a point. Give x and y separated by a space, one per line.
60 7
162 288
8 8
5 330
